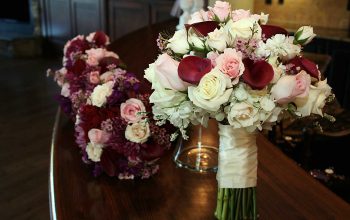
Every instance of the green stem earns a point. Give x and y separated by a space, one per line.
238 204
254 204
249 203
224 209
219 203
232 203
244 207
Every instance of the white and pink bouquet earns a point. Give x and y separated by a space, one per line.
232 66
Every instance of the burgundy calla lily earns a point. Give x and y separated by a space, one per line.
192 68
203 28
269 31
258 74
301 63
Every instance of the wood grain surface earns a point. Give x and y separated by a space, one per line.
285 191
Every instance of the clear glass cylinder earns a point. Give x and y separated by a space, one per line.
200 152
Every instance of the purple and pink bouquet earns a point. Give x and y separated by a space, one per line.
230 65
86 64
121 140
114 127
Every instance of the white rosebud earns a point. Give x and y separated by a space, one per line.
178 43
100 94
197 42
94 151
138 132
304 35
244 28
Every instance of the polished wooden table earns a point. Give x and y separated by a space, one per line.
285 191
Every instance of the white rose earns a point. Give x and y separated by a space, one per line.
217 40
304 35
178 43
315 101
243 28
100 94
94 151
213 90
196 41
138 132
242 114
65 91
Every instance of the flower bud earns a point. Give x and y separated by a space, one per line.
304 35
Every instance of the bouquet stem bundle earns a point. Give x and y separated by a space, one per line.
236 203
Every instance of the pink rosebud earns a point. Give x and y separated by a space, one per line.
230 63
131 110
166 71
94 77
240 14
290 87
96 54
98 136
221 10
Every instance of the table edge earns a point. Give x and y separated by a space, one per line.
52 198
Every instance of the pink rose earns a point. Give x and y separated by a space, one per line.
198 16
94 77
230 63
221 10
96 54
98 136
240 14
290 87
131 110
166 72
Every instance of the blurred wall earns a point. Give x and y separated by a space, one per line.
238 4
317 13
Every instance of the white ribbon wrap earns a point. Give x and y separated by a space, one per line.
238 160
